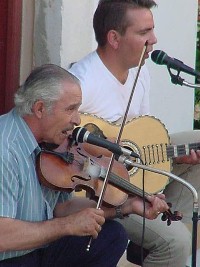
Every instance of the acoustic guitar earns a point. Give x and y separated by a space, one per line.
148 137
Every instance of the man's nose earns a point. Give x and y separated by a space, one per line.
77 119
153 39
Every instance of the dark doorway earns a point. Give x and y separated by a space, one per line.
10 43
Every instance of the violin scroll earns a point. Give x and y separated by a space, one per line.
169 216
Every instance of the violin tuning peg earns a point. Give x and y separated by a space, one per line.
178 215
164 217
169 204
168 222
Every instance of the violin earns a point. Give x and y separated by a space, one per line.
77 170
84 172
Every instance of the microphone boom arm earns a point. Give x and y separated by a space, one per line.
176 79
196 86
129 162
195 217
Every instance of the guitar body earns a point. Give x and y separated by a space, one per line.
146 136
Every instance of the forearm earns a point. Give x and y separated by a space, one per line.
133 205
21 235
74 205
79 203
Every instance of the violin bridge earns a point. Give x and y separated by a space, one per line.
91 169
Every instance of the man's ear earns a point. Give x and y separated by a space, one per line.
113 38
38 108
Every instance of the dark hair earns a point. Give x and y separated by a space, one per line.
111 15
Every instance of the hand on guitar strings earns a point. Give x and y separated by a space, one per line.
193 158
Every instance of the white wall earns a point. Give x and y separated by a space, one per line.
77 30
47 32
26 60
175 27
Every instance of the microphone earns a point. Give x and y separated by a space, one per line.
81 135
161 58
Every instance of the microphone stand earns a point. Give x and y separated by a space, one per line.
195 217
176 79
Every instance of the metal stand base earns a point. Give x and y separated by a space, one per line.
195 219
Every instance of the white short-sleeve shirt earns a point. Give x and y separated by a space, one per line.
105 96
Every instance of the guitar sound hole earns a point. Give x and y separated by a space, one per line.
129 167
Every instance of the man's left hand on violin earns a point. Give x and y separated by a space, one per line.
155 205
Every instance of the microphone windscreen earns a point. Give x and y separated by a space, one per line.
78 134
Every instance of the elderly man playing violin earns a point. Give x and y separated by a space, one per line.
40 226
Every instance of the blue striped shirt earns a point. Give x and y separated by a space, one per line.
21 195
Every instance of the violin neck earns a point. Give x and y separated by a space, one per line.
126 186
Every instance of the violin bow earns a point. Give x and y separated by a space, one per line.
132 92
100 200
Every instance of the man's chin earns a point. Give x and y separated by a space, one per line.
62 139
63 145
58 140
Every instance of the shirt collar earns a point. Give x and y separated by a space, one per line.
27 138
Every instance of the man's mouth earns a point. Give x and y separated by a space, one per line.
67 131
64 132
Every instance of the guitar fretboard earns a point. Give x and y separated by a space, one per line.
181 150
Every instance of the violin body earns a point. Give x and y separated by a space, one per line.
86 172
89 172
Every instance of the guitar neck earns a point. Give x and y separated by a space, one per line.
181 150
